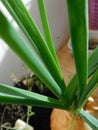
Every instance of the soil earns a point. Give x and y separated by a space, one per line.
41 118
93 43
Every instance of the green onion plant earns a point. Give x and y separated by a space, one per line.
43 60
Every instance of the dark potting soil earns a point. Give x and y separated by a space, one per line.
93 43
41 118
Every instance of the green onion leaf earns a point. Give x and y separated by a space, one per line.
27 24
45 24
92 84
78 19
91 121
22 49
72 87
14 95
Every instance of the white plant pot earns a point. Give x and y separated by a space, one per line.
57 15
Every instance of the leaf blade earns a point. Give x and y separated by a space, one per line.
27 24
73 84
92 84
78 20
92 122
45 24
14 95
14 40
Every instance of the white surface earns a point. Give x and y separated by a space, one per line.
94 34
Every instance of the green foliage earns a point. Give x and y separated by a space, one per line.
79 37
44 63
89 119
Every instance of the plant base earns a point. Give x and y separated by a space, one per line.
63 120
